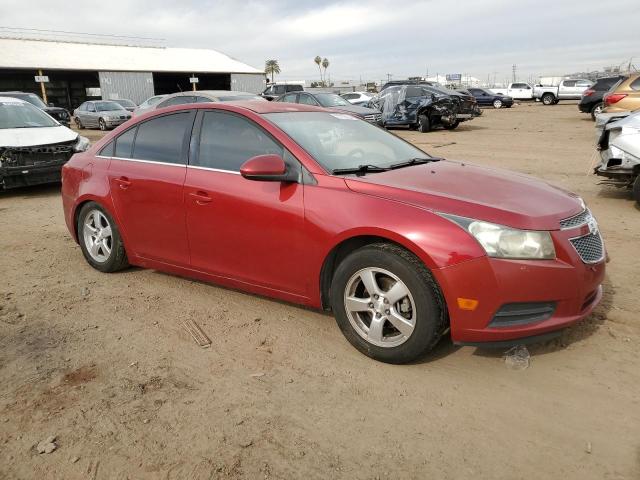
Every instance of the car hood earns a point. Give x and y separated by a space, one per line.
473 191
29 137
356 109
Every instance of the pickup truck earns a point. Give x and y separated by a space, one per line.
570 89
517 91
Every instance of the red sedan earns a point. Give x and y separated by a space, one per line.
323 209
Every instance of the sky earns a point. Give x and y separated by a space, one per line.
368 39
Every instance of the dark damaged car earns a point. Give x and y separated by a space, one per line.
424 107
33 146
61 115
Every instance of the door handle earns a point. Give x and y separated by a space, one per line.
123 182
202 198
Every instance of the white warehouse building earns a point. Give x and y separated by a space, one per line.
75 71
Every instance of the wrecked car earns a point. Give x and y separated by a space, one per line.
619 146
424 107
33 146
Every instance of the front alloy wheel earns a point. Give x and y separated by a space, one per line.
380 307
102 124
497 103
387 303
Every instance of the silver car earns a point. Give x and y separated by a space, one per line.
102 114
148 104
205 96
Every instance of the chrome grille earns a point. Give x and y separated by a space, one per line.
589 247
576 221
373 117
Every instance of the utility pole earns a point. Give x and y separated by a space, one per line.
513 76
389 77
43 89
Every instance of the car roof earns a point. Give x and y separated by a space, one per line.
11 99
210 93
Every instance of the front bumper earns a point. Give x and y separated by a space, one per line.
572 286
22 176
115 122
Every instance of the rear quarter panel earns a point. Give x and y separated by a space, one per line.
84 179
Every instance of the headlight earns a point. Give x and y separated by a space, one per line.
82 145
504 242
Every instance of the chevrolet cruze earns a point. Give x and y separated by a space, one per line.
326 210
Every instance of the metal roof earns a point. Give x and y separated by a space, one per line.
52 55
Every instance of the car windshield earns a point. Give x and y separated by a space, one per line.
107 106
125 103
23 115
331 100
338 140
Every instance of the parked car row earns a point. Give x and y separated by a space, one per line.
616 94
618 133
568 89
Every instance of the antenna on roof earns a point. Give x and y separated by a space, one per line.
79 37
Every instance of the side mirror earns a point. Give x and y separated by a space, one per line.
268 168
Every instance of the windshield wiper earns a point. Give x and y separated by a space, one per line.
361 169
414 161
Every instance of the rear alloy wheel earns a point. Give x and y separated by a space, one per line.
548 99
596 110
424 125
102 124
497 103
387 304
100 239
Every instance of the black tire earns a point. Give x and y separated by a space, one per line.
102 124
431 318
597 108
636 190
117 259
424 124
548 99
79 124
453 126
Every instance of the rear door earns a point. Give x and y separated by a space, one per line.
146 178
251 231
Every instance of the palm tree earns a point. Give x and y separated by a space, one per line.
325 64
318 61
271 67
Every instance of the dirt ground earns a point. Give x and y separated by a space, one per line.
101 361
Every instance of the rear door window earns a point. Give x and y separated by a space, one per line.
124 143
228 140
108 150
161 139
289 97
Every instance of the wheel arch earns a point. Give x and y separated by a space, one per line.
355 241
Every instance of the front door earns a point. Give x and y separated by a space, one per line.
251 231
146 179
